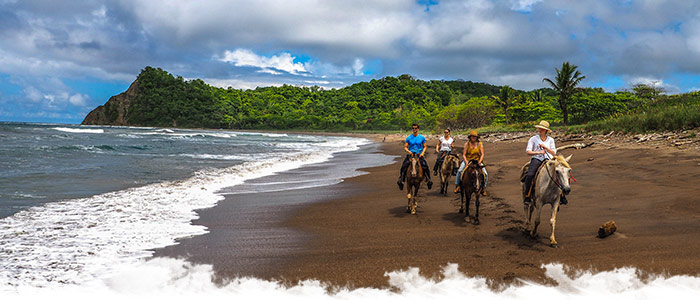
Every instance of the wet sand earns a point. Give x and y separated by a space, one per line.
352 233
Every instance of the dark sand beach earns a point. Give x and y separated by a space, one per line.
354 232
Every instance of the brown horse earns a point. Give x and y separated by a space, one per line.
414 177
449 165
471 183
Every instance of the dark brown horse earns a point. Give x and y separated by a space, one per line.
414 177
471 183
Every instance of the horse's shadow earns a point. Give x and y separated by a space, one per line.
399 212
456 218
518 237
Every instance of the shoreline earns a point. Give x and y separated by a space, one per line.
356 231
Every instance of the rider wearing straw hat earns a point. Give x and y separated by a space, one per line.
473 150
541 147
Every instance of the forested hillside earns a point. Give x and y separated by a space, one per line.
157 98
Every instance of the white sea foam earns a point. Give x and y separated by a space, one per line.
188 134
79 130
244 157
73 242
177 279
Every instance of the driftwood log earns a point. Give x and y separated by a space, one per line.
576 145
607 229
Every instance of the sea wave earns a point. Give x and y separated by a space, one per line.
78 130
243 157
74 241
178 279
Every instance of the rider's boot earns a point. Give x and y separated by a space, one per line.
401 180
528 183
457 189
427 178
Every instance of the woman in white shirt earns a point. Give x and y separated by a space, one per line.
540 147
443 147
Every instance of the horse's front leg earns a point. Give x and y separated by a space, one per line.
476 203
553 222
537 212
443 184
468 198
446 183
414 201
408 205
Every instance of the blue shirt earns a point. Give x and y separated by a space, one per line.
415 143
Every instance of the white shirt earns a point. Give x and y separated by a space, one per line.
446 145
534 145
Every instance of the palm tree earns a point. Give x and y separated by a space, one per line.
504 99
537 96
566 81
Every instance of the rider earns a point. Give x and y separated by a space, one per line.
443 147
540 147
473 150
415 144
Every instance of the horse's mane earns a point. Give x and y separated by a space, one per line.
562 160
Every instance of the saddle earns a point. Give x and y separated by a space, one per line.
523 174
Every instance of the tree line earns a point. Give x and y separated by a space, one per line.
389 103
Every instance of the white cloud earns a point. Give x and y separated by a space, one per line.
78 99
523 5
246 58
357 66
32 94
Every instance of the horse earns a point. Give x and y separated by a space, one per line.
549 183
449 165
471 183
414 177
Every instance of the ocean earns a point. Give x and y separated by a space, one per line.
82 207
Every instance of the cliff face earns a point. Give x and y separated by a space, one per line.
115 111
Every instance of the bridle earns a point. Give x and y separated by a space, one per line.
556 178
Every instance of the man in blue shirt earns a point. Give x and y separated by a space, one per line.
415 143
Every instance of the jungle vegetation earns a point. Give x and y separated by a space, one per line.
392 103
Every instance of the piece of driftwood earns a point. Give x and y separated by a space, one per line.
576 145
509 138
607 229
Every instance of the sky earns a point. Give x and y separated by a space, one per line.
61 59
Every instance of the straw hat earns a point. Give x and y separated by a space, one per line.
473 133
543 125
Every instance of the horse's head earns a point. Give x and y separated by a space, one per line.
415 165
561 172
452 161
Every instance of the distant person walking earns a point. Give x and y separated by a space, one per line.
473 150
414 144
443 148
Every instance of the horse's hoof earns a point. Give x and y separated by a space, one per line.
461 210
476 222
413 211
408 209
554 245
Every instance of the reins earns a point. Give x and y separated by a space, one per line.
556 180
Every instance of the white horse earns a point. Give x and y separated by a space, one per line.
550 182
